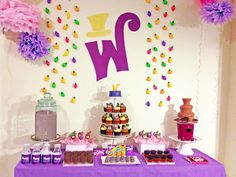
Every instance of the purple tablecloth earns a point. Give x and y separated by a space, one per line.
181 168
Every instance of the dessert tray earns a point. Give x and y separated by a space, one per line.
78 164
158 163
118 162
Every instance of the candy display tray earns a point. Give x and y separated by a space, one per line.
136 162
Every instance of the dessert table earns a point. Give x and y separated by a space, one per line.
182 168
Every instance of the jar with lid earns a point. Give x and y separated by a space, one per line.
46 119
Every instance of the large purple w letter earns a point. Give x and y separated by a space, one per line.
118 53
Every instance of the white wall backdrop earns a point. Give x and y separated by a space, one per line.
196 67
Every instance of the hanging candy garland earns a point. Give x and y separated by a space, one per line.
216 12
63 58
160 18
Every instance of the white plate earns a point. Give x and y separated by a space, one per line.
136 162
78 165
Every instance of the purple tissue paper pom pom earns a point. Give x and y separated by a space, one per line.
217 12
33 46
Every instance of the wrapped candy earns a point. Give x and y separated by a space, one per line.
18 16
33 46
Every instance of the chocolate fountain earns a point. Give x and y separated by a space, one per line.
186 121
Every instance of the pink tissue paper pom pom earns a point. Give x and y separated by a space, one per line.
18 16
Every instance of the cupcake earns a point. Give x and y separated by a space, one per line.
109 107
163 158
109 131
117 108
117 131
169 158
122 108
129 129
122 119
156 158
153 152
150 158
103 129
108 120
166 151
125 131
104 118
116 120
159 152
127 118
146 153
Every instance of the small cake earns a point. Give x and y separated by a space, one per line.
160 152
67 157
108 120
107 159
112 159
75 157
117 159
122 108
115 93
103 129
116 108
127 159
131 158
122 159
109 131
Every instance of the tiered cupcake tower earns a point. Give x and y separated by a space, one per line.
115 120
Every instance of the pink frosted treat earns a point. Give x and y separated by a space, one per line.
18 16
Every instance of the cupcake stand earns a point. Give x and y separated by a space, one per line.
115 96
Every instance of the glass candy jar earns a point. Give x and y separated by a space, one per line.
46 119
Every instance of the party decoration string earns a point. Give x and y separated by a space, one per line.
62 75
159 60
